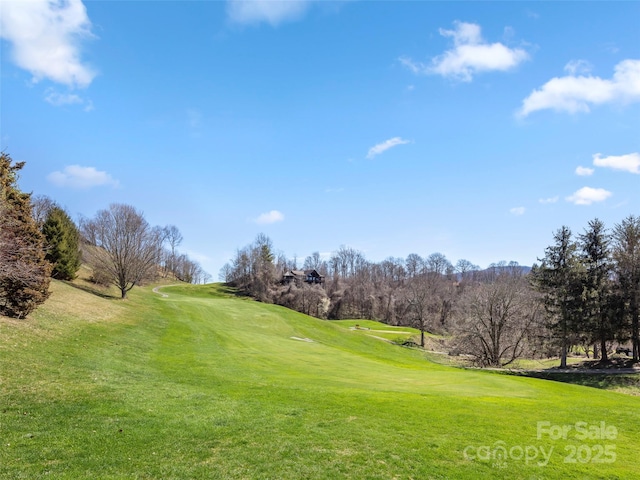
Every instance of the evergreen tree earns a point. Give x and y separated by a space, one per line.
626 254
599 305
558 279
62 241
24 272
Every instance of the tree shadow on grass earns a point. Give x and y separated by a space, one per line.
228 290
605 379
210 290
93 290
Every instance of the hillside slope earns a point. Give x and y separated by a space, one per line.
202 384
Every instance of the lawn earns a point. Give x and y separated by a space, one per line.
204 384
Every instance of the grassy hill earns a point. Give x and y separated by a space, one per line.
202 384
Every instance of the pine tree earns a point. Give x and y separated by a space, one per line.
598 300
626 254
558 279
62 241
24 272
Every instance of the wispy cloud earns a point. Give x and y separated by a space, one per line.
58 99
273 12
588 195
584 171
45 38
272 216
76 176
470 55
628 163
532 14
517 211
573 94
548 200
578 67
386 145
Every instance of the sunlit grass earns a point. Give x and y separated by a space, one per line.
203 384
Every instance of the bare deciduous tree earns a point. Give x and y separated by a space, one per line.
174 238
464 268
128 248
496 318
419 304
41 205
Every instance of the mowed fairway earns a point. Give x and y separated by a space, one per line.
205 385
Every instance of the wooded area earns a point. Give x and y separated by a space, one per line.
39 240
584 294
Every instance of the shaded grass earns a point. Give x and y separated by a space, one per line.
537 364
617 382
205 385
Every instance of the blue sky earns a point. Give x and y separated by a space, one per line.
471 129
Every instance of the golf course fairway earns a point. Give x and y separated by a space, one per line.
202 384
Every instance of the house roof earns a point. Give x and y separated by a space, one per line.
302 273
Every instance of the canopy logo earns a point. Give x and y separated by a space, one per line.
500 454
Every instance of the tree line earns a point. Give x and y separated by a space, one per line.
584 294
39 241
590 287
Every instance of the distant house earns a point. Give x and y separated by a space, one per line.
303 276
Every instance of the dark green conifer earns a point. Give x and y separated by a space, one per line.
24 272
62 244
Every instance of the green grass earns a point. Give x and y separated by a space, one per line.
204 384
543 363
616 382
380 330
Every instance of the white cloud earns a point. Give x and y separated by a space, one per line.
574 94
470 55
415 67
273 12
273 216
75 176
549 200
386 145
588 195
584 171
58 99
45 36
628 163
517 211
578 66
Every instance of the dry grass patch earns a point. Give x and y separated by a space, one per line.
66 305
68 300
